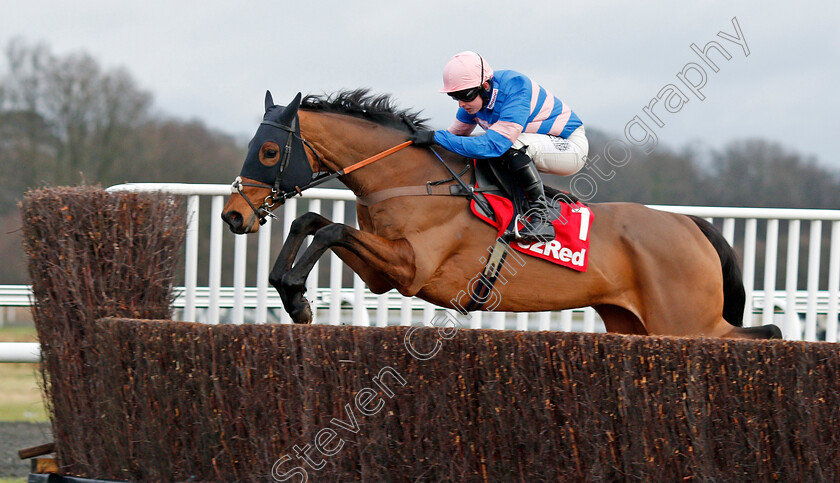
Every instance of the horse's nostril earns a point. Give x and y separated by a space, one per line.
233 219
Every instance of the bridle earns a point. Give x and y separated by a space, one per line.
263 212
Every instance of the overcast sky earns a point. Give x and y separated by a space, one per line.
213 60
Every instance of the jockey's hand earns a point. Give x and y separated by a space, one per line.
423 138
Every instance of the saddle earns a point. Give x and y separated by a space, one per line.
497 201
490 178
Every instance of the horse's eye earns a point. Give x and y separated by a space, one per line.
269 154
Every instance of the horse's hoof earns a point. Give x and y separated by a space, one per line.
290 287
302 315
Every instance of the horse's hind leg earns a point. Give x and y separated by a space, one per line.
724 329
620 320
394 259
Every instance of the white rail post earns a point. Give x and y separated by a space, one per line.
191 259
336 269
814 247
833 283
770 271
499 320
729 230
360 315
240 257
475 320
263 262
312 278
361 318
405 311
566 320
793 329
428 313
215 275
589 319
749 268
522 321
545 321
382 310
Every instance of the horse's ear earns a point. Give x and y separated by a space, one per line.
269 102
290 111
295 104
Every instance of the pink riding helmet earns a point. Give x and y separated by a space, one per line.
465 71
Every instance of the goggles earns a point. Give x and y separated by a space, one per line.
466 95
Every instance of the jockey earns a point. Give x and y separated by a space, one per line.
521 121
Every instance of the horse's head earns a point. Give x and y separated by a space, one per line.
276 164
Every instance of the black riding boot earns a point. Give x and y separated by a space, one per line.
526 175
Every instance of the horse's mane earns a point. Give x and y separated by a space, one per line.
361 103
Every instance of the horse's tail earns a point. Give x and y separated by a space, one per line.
734 297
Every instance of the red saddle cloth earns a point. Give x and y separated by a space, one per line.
570 247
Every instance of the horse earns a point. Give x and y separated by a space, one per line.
650 272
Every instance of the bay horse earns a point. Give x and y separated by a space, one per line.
650 272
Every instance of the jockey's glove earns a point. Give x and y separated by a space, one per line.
423 138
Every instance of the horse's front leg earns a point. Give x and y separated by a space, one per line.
393 259
303 226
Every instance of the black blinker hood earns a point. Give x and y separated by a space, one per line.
281 126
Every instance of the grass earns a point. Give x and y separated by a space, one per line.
12 480
20 396
18 333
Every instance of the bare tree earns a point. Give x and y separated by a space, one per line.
84 113
761 173
66 120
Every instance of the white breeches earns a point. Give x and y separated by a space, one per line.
555 155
